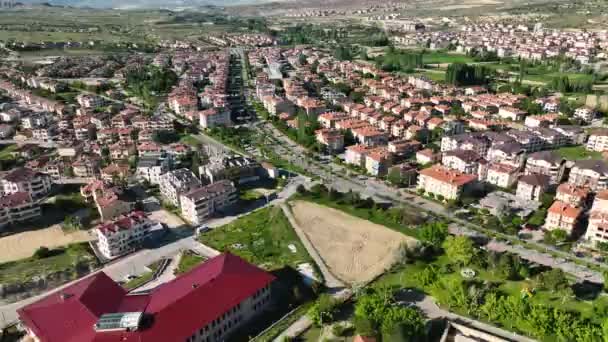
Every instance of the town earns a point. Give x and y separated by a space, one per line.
280 177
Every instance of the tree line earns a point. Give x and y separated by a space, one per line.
461 74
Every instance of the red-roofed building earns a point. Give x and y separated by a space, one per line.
439 180
17 207
562 216
123 235
206 304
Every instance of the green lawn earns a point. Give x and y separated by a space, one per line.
261 238
142 278
548 77
188 139
7 150
187 262
578 153
434 75
438 57
61 259
251 195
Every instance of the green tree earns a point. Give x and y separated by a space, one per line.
433 233
553 280
459 249
322 312
42 252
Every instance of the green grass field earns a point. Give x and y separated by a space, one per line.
61 259
578 153
7 150
262 238
250 195
438 57
187 262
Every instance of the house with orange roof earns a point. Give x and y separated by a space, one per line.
398 128
441 181
329 119
562 216
332 139
378 161
356 154
370 136
502 175
573 195
427 156
434 122
535 121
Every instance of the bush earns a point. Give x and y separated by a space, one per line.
338 330
323 310
42 252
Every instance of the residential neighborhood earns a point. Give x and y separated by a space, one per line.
297 171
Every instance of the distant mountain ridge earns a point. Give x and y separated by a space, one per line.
145 3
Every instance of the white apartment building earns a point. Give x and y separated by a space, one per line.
199 204
547 163
90 101
562 216
439 180
175 183
123 235
589 173
17 207
214 117
585 113
598 140
502 175
151 169
23 179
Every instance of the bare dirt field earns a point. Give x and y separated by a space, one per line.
355 250
23 245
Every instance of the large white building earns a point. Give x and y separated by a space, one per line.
151 169
123 235
214 117
598 140
207 304
177 182
441 181
17 207
23 179
199 204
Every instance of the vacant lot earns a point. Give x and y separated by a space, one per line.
60 259
23 245
264 238
578 153
355 250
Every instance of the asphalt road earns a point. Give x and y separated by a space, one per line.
378 190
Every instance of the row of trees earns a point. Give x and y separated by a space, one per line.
399 60
565 85
461 74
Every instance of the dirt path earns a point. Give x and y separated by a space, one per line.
355 250
23 245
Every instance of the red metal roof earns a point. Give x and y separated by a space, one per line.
179 307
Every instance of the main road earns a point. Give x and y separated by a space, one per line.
338 177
